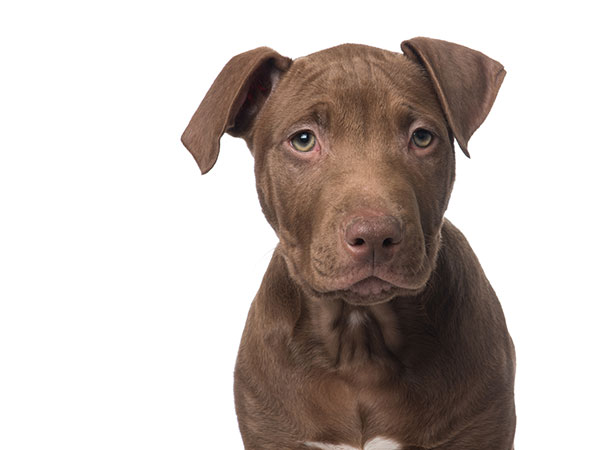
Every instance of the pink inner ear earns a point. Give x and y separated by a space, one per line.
256 86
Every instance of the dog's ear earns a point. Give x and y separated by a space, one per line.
466 82
232 102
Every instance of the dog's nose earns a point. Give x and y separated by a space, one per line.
372 239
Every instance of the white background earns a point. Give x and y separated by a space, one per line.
125 276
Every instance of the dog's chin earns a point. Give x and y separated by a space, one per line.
373 290
368 291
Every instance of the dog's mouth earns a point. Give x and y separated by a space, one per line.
370 286
370 289
373 290
373 285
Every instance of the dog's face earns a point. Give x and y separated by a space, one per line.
354 155
352 148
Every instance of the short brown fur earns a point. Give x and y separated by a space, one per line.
374 318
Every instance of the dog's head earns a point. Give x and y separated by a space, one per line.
354 155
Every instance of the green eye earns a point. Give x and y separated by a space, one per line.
422 138
304 141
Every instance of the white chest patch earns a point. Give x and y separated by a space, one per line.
377 443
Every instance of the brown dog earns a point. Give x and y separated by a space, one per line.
375 327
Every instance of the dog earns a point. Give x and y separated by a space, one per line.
375 327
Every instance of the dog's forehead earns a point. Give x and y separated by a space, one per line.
355 64
356 84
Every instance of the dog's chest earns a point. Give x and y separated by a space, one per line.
378 443
362 344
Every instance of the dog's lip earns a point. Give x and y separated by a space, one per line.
370 290
370 286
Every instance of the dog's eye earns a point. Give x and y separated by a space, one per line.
304 141
422 138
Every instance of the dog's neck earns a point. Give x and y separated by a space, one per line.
391 337
387 336
355 335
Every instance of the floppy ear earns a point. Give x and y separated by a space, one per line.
232 102
465 81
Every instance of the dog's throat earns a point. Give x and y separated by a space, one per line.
357 335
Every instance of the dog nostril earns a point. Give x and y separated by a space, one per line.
388 242
357 242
